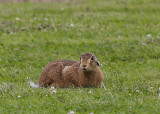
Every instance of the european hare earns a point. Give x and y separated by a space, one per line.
67 73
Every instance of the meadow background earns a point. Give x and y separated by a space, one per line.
123 34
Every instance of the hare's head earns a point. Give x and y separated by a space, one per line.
88 62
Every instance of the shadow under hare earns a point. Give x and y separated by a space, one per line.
68 73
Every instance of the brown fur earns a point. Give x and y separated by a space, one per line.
67 73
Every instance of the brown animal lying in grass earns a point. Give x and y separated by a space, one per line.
67 73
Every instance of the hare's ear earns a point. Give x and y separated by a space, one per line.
81 59
98 63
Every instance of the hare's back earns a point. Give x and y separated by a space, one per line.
59 65
66 62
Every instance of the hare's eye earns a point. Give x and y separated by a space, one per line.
92 58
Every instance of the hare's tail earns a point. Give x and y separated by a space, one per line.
33 85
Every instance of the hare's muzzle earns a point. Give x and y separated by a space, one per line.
84 67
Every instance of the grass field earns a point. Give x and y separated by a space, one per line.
123 34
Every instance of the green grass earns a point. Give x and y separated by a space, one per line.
123 34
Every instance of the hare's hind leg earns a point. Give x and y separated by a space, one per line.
45 81
58 84
52 73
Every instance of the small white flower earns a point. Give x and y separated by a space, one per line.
151 87
72 25
19 96
28 77
71 112
52 88
34 18
143 43
90 92
17 19
46 95
91 113
62 9
45 19
80 34
137 90
54 91
11 32
148 35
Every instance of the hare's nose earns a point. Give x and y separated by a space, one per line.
84 66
